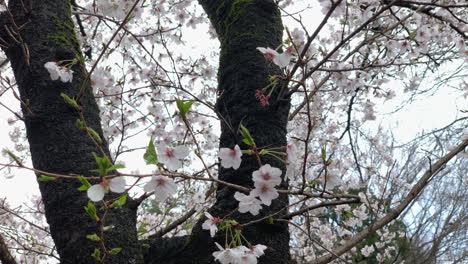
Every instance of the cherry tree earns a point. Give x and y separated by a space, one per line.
276 158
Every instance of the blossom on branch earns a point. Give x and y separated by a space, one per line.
162 186
96 192
56 72
265 191
211 224
248 203
282 60
267 174
230 157
172 157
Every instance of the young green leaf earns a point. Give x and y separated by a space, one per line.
45 178
84 183
183 107
96 254
94 134
247 137
79 124
115 167
103 163
119 202
14 157
91 211
93 237
70 101
115 251
150 156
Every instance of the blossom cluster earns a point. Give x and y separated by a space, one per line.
239 254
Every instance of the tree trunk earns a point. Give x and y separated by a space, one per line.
46 33
242 26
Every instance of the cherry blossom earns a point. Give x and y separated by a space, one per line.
211 224
96 192
332 180
367 250
172 157
248 203
267 174
56 72
162 186
265 191
282 60
259 249
230 157
228 255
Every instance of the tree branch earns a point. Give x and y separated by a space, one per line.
415 191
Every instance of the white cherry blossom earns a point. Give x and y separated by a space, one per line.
97 191
248 203
230 157
282 60
58 72
265 191
367 250
228 255
162 186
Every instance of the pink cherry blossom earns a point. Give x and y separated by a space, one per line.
162 186
267 174
172 157
230 157
265 191
211 224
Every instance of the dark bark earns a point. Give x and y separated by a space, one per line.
56 144
242 26
5 255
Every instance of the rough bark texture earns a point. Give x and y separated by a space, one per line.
56 144
242 26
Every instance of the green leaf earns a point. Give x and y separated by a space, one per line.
93 237
79 124
85 183
324 153
114 167
270 220
45 178
94 134
14 157
91 211
150 156
120 202
70 101
183 107
247 137
96 254
115 251
103 163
